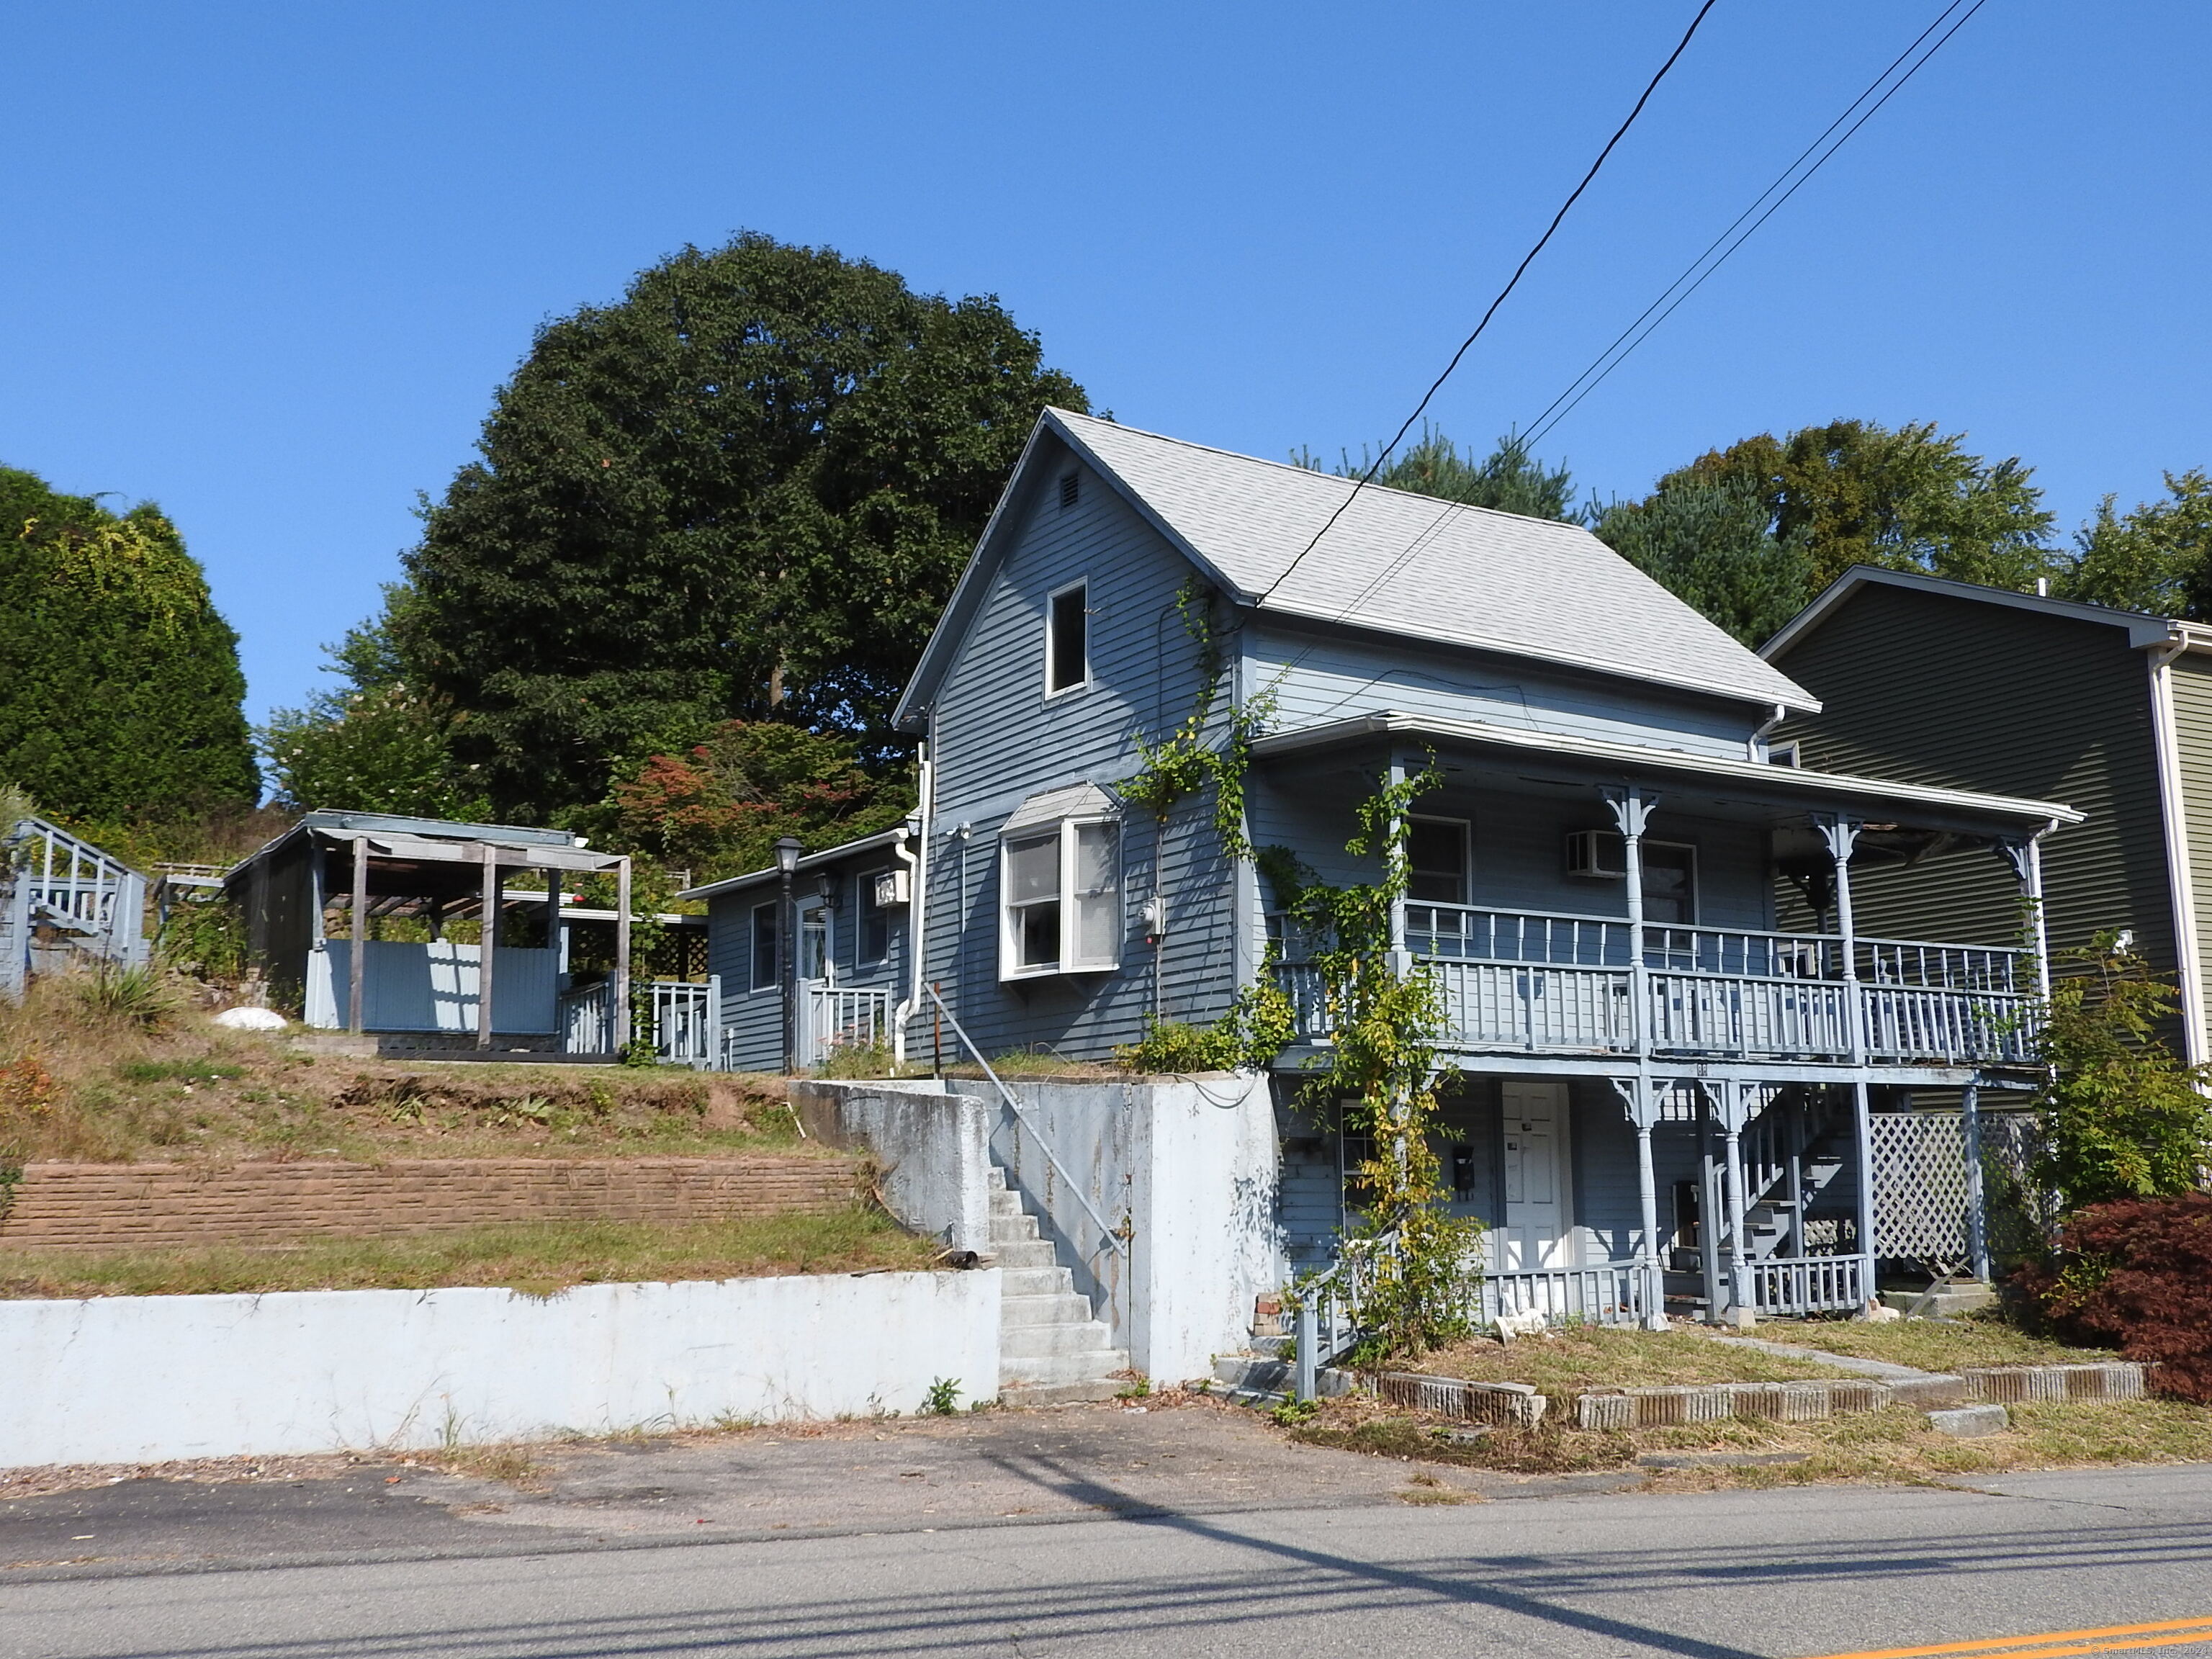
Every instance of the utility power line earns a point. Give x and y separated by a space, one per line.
1717 253
1528 258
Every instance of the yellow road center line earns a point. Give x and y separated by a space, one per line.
2067 1641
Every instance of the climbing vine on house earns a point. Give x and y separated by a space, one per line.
1259 1022
1385 1020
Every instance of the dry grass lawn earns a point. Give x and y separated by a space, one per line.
1591 1356
1896 1445
540 1258
83 1081
1928 1345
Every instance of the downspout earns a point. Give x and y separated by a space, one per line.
2173 815
1755 748
912 849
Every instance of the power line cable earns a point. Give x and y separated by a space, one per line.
1513 282
1600 368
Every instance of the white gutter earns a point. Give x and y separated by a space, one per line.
2188 973
1755 748
1633 758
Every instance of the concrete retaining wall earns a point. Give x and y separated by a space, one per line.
145 1379
932 1149
1186 1169
122 1207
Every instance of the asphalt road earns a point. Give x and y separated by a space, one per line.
1794 1572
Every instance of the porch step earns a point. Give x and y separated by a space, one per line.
1053 1349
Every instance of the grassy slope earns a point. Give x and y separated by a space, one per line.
538 1257
185 1089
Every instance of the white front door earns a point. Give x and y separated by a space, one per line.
1536 1234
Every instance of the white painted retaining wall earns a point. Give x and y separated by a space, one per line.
1190 1168
145 1379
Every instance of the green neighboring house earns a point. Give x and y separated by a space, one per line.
1947 682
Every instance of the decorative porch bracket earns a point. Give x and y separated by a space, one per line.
2023 856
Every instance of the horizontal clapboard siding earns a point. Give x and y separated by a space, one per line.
998 739
1318 678
1930 688
755 1018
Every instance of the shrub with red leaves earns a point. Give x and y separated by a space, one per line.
2136 1275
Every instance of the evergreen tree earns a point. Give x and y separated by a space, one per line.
119 682
1509 479
1713 546
743 491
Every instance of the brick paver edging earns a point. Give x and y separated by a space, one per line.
121 1207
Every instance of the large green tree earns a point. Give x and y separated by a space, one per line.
743 491
119 684
1712 543
1509 478
378 742
2156 556
1909 498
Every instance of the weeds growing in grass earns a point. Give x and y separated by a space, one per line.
177 1071
130 998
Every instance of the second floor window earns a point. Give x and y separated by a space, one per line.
1436 850
1067 640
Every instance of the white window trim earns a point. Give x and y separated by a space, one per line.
863 899
1009 944
1082 585
1696 897
1466 855
754 987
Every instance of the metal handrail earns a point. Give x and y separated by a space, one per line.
1045 1145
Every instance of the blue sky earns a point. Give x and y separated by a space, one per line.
267 263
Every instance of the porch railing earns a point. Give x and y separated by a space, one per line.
842 1016
1789 1284
681 1017
1607 1293
1557 983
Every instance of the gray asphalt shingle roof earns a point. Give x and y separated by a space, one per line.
1423 568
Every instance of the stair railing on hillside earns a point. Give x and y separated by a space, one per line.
1329 1302
1112 1237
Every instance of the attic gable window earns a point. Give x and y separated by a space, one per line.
1067 640
1059 884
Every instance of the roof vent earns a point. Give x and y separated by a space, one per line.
1070 486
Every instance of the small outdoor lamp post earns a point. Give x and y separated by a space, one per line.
788 850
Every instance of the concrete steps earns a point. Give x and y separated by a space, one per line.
1053 1349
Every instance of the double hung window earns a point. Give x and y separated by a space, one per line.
764 952
1062 888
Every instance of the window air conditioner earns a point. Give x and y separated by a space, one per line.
1597 855
893 887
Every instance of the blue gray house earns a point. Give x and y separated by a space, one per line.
1681 1067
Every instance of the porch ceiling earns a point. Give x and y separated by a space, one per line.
1715 786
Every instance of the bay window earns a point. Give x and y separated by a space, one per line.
1060 884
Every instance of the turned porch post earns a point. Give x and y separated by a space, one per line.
1642 1102
356 966
1632 811
488 933
1741 1312
1709 1209
1978 1215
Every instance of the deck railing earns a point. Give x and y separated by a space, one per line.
842 1016
1554 983
680 1016
1787 1285
1607 1293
